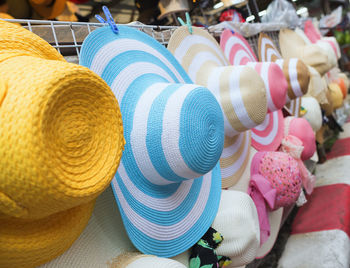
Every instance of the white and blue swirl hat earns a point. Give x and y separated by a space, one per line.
168 182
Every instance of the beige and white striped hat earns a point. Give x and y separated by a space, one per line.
239 90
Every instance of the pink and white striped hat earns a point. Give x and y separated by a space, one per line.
268 135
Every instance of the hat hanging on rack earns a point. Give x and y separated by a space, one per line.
293 46
169 7
239 90
295 71
61 142
268 135
48 9
168 184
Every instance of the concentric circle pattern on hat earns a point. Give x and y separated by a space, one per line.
168 183
268 135
239 90
61 137
267 50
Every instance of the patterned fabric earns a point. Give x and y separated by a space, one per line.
203 253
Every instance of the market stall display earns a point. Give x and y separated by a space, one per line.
172 150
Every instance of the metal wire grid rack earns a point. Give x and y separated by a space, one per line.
67 37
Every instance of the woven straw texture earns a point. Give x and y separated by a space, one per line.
19 41
61 143
268 135
168 184
239 90
26 243
61 137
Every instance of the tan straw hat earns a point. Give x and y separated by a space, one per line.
293 46
239 90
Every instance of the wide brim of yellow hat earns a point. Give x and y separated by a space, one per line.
48 10
32 243
7 16
16 40
61 137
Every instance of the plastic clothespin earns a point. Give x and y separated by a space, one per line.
109 18
188 22
232 31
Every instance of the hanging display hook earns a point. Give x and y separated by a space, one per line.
188 22
109 18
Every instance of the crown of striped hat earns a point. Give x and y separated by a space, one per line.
168 183
268 135
239 90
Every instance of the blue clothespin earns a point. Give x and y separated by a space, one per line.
109 18
232 31
188 22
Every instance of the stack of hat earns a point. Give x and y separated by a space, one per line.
61 142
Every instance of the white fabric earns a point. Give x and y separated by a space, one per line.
154 262
325 249
237 221
102 240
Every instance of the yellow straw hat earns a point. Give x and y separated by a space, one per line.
61 130
60 145
26 243
15 40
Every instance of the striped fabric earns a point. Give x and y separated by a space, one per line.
174 133
295 71
239 90
268 135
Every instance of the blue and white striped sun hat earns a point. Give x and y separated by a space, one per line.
168 183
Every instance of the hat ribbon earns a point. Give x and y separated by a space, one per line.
293 146
262 193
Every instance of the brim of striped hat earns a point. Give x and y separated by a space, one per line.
165 211
268 135
267 49
235 158
295 71
236 48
